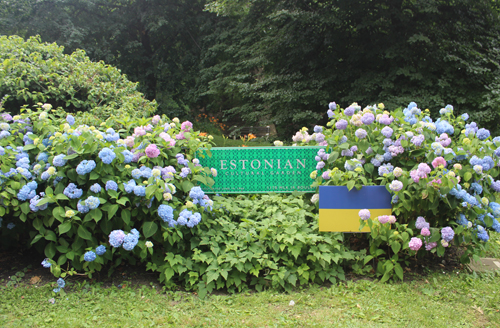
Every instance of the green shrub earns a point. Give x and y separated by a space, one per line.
32 72
258 241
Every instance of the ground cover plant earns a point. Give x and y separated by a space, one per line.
440 172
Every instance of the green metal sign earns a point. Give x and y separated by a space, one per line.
244 170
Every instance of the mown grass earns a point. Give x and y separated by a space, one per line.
438 300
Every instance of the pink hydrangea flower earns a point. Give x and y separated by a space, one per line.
152 151
130 141
186 126
415 244
139 131
425 232
429 246
383 219
391 219
439 161
180 136
156 119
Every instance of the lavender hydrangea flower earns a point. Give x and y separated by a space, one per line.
70 119
361 133
396 185
447 234
387 132
116 238
341 124
364 214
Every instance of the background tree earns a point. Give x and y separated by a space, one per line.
285 60
153 42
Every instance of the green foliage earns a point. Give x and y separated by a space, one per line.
268 241
280 60
153 42
32 72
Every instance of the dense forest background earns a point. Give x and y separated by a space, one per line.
282 62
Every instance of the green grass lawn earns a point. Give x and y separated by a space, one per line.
439 300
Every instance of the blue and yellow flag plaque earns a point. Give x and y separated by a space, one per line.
339 207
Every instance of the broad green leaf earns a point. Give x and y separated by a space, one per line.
149 229
84 233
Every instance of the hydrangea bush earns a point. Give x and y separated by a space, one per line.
442 175
89 196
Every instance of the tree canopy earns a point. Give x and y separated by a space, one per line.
282 61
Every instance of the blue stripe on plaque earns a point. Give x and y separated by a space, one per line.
369 197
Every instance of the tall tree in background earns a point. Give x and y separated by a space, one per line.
282 61
285 60
154 42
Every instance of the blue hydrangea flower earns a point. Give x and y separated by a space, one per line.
128 156
34 203
42 157
70 119
136 174
71 191
196 194
82 208
111 185
89 256
25 193
95 188
194 220
482 134
482 234
111 135
107 155
85 167
46 264
11 226
100 250
61 283
166 212
140 191
444 127
59 160
129 186
131 240
92 202
465 116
